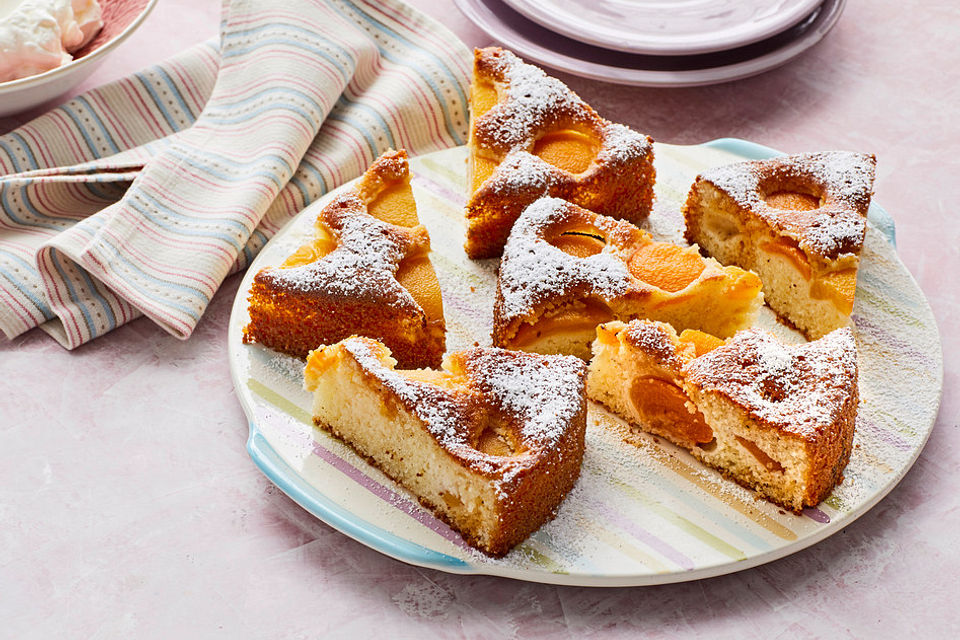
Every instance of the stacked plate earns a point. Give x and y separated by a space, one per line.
660 43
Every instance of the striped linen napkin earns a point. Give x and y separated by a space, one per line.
141 196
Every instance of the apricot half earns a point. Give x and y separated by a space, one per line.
792 201
416 275
663 404
666 266
789 249
567 149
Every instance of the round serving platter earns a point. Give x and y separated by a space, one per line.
643 512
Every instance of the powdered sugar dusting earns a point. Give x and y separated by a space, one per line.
445 414
655 339
535 103
544 393
622 144
364 263
533 270
801 389
835 230
521 171
773 361
843 179
541 395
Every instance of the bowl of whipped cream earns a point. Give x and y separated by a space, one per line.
47 47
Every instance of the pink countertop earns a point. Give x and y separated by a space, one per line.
129 507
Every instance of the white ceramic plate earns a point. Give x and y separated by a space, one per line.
641 513
538 44
659 27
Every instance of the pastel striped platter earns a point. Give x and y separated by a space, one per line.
643 512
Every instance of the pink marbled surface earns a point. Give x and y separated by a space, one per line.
129 508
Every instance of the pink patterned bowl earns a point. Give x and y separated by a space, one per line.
120 19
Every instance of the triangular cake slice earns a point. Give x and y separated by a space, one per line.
367 271
530 135
775 418
797 221
491 443
566 269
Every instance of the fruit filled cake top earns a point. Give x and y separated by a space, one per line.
801 389
559 252
497 412
818 199
366 270
530 135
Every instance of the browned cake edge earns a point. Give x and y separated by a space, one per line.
534 489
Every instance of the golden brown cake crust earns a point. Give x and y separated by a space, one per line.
798 221
800 402
655 339
535 276
619 181
353 288
807 392
655 349
537 402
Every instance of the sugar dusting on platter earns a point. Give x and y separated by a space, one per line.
643 511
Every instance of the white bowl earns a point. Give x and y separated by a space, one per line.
120 19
